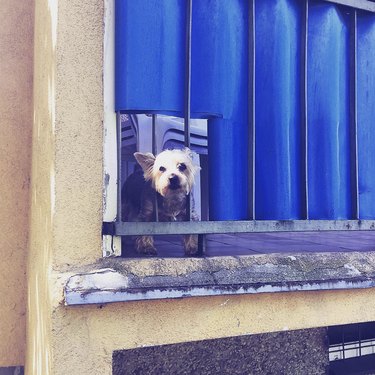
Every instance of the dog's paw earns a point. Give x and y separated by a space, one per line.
145 246
150 251
191 245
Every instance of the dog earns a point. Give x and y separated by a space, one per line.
166 179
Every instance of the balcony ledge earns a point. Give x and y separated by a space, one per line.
120 280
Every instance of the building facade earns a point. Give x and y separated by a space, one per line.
52 162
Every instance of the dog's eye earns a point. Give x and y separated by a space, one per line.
181 167
162 169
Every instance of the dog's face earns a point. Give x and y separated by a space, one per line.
172 171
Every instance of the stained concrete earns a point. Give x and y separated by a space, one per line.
115 280
290 353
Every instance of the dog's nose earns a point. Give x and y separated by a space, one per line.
174 181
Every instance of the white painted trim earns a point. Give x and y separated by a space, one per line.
111 246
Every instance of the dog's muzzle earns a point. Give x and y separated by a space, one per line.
174 182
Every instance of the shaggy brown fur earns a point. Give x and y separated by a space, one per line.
167 178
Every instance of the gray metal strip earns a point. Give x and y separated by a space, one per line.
154 151
119 165
211 227
154 148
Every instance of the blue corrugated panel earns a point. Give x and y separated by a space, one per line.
328 113
150 68
220 59
278 109
366 115
150 56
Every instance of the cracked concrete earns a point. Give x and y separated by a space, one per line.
116 279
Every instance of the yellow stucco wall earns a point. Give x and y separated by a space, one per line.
66 206
16 68
87 336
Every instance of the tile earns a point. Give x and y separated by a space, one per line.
267 243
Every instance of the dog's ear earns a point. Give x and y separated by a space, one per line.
194 168
146 161
188 152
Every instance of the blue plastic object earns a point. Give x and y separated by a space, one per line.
366 115
278 110
328 113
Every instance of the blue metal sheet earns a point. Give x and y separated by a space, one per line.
328 113
150 56
220 75
278 110
219 56
150 68
366 115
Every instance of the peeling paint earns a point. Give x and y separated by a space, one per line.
353 271
105 279
81 297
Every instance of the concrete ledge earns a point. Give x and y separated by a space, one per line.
119 280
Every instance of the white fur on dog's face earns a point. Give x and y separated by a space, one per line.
171 171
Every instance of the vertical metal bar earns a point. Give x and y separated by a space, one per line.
154 151
187 93
119 165
187 106
353 115
343 343
304 130
251 109
154 148
201 245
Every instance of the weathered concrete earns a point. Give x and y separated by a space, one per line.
289 353
65 231
114 280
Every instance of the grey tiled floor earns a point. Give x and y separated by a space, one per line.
267 243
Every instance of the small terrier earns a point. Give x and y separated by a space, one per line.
167 178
